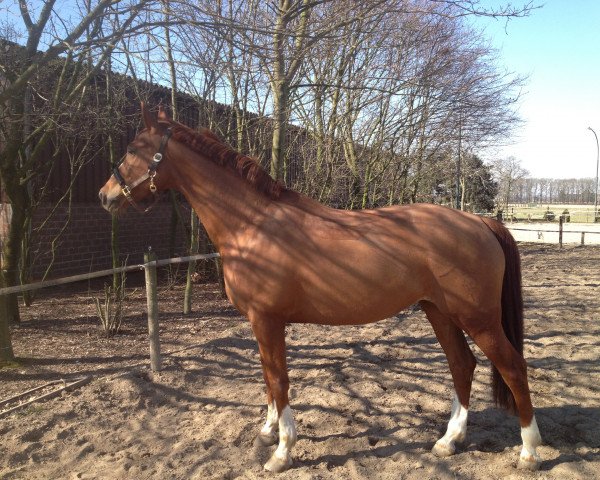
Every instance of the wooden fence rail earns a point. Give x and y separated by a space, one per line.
102 273
149 266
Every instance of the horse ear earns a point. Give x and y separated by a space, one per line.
162 114
149 120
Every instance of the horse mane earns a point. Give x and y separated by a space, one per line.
208 144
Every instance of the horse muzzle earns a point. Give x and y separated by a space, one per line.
110 203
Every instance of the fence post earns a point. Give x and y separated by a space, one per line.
152 302
560 230
582 238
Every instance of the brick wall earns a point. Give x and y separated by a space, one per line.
84 245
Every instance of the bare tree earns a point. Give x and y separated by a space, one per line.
47 76
508 172
398 90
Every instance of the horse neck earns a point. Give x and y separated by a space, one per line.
225 203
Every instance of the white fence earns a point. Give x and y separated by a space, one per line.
572 233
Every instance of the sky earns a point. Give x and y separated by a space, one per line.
558 48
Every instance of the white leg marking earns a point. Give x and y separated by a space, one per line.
456 431
272 418
282 458
531 439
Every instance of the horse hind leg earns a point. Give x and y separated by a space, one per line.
513 370
461 362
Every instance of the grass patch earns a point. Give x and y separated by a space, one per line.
537 212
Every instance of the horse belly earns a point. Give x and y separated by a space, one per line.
357 295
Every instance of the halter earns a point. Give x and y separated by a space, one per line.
150 174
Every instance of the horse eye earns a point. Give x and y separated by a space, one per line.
131 150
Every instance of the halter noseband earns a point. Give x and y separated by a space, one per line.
150 174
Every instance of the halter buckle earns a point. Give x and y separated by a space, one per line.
152 186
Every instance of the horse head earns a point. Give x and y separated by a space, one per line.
135 178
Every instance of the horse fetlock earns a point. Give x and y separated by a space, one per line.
281 459
287 430
532 438
456 431
529 459
271 424
288 438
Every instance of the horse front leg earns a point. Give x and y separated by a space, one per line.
271 344
268 434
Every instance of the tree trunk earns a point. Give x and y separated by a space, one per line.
462 193
194 241
6 351
173 222
114 225
367 185
9 275
114 250
280 101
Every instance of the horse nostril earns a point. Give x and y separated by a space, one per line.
102 197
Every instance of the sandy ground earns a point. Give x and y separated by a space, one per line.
369 401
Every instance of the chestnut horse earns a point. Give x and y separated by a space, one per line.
288 259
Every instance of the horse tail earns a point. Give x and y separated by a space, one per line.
512 309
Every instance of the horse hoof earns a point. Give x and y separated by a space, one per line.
443 449
265 440
528 463
278 465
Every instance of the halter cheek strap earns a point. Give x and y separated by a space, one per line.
150 174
